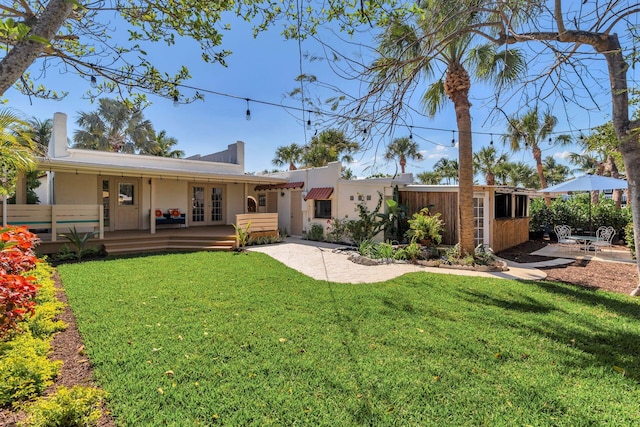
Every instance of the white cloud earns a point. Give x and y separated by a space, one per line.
562 155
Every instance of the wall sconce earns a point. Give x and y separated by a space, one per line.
282 194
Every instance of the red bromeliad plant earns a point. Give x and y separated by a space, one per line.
17 292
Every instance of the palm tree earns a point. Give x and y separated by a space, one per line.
518 175
163 146
486 161
554 172
429 178
412 51
40 130
403 148
528 132
17 154
290 154
447 169
330 145
114 127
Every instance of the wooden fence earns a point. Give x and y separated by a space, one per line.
446 204
57 218
509 232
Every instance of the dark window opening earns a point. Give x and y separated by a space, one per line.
503 205
521 206
322 209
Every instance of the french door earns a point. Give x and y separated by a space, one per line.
207 205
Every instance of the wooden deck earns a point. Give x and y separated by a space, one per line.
205 238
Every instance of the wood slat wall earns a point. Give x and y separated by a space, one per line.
444 203
57 218
509 232
259 222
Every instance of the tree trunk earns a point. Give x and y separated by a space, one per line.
537 156
609 46
613 171
456 85
403 162
628 140
25 52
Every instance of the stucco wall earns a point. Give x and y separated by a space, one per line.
234 196
72 189
171 194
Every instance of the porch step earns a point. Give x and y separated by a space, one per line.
168 243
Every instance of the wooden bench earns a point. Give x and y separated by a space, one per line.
167 219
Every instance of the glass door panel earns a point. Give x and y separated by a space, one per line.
197 205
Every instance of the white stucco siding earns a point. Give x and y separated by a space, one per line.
170 194
235 201
72 189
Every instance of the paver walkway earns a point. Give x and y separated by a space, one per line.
319 261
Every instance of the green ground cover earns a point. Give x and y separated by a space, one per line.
240 340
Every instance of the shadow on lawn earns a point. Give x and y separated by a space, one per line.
612 348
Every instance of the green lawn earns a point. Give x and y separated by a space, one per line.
240 339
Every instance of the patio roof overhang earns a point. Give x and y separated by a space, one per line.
142 171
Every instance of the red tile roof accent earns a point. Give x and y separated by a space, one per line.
319 193
263 187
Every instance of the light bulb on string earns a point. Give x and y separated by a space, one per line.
176 101
94 82
491 141
248 114
410 132
453 138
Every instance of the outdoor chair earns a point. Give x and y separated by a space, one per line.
563 232
604 237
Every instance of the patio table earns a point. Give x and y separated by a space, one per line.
585 241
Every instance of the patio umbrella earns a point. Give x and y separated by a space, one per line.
587 183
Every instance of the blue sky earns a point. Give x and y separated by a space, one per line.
265 69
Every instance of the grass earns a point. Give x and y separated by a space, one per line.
240 340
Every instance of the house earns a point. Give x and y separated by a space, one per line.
113 192
316 195
105 191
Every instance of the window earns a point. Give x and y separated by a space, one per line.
262 200
322 209
521 206
503 205
125 195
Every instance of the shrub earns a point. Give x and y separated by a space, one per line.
423 226
540 216
629 239
411 252
368 224
79 241
25 370
17 300
316 232
338 230
70 407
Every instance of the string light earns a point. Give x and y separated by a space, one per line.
326 113
94 82
176 101
248 115
453 139
491 142
410 132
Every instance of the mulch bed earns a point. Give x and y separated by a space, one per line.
607 276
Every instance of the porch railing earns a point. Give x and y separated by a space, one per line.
57 218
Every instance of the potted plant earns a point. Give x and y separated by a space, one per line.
425 228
